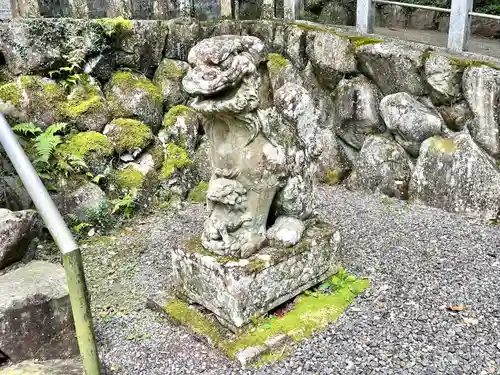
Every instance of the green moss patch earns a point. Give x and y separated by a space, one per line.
359 41
470 63
171 116
131 81
199 193
130 134
129 178
332 177
276 63
169 69
310 312
10 92
175 158
85 98
86 143
115 26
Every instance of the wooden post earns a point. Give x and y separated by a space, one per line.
365 16
293 9
459 30
267 9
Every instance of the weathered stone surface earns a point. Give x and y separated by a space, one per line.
129 137
50 367
180 126
391 16
237 290
456 175
410 121
17 229
86 106
337 14
81 200
294 42
35 45
423 19
13 194
286 231
356 102
382 166
168 77
135 96
444 77
457 116
481 86
394 67
183 34
333 164
243 187
36 321
202 167
332 56
141 48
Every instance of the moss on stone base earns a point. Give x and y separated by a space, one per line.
331 177
131 134
130 81
85 98
470 63
359 41
442 145
311 311
169 69
116 26
129 178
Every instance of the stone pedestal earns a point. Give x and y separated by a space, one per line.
238 290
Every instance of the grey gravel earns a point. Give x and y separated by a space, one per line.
419 260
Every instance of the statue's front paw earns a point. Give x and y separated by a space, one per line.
286 231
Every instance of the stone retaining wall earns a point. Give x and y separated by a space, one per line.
395 117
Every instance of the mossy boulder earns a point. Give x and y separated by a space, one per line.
128 178
135 96
199 193
94 148
180 126
168 77
175 175
129 137
33 98
86 106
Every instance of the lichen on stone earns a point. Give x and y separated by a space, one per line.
130 134
168 69
276 62
130 81
85 143
175 158
198 193
129 178
331 177
442 145
10 92
171 116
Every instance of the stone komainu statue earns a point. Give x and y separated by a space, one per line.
263 147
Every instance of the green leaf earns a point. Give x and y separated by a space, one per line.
26 128
267 326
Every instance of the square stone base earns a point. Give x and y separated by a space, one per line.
238 290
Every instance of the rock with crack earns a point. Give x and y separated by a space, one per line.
458 116
393 67
382 166
263 152
36 320
17 230
456 175
444 77
481 87
410 121
356 101
168 76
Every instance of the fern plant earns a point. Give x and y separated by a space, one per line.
126 203
44 144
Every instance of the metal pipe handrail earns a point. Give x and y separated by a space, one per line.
426 7
485 15
72 257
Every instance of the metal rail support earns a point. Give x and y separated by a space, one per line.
365 16
459 31
293 9
72 258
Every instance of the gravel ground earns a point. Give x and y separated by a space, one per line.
419 261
